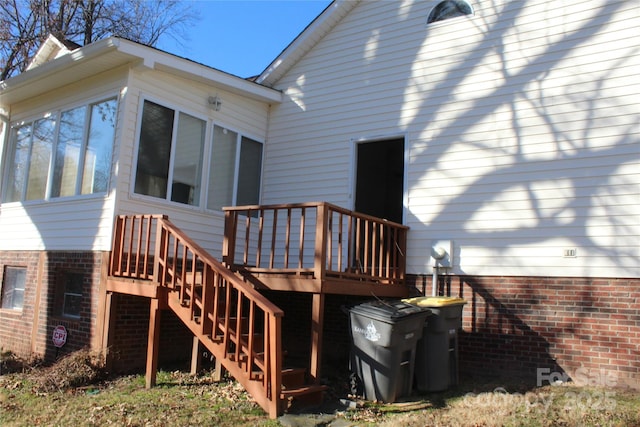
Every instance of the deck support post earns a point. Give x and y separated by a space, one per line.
153 343
195 356
107 335
317 320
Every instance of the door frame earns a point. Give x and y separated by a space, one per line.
354 167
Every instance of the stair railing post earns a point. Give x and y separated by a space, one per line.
320 262
229 242
116 247
402 254
161 242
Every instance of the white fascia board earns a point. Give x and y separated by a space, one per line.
50 45
22 86
185 68
17 88
60 63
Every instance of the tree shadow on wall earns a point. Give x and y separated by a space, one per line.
495 342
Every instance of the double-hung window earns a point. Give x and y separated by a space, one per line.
66 153
172 163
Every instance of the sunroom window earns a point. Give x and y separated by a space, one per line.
171 161
449 9
66 153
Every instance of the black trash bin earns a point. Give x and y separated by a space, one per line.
384 336
437 350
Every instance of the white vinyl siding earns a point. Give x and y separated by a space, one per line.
237 114
521 126
82 222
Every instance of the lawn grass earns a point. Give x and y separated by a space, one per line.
178 400
58 396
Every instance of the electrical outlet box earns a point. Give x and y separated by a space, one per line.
444 249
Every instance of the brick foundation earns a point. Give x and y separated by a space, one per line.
129 333
580 327
296 329
28 332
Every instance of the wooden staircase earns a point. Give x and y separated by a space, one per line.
237 324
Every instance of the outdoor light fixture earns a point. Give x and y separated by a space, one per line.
215 103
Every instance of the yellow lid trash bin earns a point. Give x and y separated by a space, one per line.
434 301
436 362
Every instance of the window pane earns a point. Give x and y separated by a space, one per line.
154 151
97 157
187 165
72 305
43 131
72 294
13 287
222 169
70 135
21 138
449 9
250 171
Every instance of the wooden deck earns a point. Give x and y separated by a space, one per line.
315 248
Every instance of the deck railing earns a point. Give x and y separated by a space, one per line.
232 319
316 239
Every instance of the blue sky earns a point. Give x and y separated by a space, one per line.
243 37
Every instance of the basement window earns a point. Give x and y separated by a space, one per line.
449 9
13 287
70 294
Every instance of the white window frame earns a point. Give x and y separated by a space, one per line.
65 293
174 133
206 164
4 285
56 114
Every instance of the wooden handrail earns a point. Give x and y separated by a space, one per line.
345 244
237 323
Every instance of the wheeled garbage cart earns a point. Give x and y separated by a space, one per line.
437 350
383 337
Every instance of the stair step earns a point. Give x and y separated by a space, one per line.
293 377
303 391
304 396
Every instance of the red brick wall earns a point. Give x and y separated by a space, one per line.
516 325
16 327
129 334
511 325
79 331
296 329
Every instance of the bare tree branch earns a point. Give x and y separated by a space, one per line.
25 24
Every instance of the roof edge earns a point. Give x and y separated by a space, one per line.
150 57
306 40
